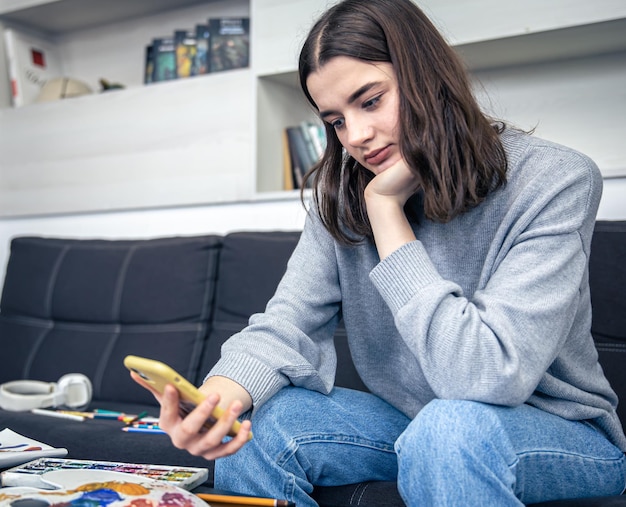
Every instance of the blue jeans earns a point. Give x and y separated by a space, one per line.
452 453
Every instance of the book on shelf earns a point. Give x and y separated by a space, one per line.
288 183
186 48
32 62
316 136
149 65
164 59
299 154
203 41
230 43
217 45
310 135
303 146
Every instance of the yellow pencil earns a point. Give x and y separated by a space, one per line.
54 413
88 415
243 500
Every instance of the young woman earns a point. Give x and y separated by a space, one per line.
456 251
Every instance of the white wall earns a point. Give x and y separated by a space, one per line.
577 102
280 214
613 203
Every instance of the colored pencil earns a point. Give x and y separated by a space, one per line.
145 425
102 415
92 415
131 429
87 415
109 412
243 500
131 419
60 415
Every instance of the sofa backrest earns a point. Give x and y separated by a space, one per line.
251 266
82 305
607 281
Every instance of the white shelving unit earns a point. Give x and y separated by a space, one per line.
217 138
541 65
183 142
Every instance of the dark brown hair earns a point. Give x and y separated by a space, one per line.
448 142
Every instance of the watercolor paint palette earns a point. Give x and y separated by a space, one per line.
99 488
42 473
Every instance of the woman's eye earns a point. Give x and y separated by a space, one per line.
372 102
338 123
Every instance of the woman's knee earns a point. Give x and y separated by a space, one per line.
451 427
272 428
286 413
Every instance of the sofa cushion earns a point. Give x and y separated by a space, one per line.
82 305
251 265
607 281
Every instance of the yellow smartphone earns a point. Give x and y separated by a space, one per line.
158 375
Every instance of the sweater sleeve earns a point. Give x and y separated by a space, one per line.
292 341
496 344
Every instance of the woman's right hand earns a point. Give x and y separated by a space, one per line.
385 197
189 433
396 183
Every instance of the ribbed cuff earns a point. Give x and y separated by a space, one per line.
257 378
402 274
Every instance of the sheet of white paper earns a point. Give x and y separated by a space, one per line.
16 449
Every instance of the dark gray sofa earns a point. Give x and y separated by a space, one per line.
82 305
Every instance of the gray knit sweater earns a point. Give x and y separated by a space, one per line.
493 306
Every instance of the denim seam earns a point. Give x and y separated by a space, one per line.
291 486
331 439
344 439
539 452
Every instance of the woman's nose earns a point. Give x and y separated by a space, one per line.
359 133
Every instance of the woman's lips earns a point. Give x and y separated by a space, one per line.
378 156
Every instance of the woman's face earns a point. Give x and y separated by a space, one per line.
360 100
